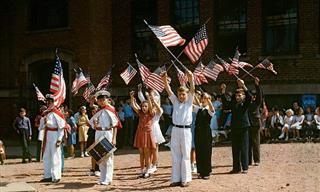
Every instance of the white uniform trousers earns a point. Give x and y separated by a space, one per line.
52 157
106 166
180 152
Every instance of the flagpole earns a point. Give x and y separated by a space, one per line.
227 70
176 59
245 70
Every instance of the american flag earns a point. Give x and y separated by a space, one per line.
266 64
151 80
183 79
104 82
78 82
87 92
229 68
197 45
167 35
160 70
40 96
198 75
58 85
235 59
212 70
128 74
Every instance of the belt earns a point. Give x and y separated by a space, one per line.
101 129
51 129
182 126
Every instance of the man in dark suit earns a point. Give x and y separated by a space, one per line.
239 126
255 121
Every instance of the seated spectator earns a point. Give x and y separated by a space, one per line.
288 121
276 123
297 125
317 121
309 124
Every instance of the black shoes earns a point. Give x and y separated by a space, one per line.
234 171
175 184
56 181
46 180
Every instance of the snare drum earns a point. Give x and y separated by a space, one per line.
101 149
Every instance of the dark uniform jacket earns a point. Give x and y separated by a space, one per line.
254 109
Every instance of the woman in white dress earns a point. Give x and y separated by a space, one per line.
297 125
156 131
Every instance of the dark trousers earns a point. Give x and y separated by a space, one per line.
240 145
24 139
275 132
254 144
128 131
120 136
167 123
39 145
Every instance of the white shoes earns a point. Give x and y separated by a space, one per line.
97 173
193 168
82 155
103 183
86 154
152 170
281 136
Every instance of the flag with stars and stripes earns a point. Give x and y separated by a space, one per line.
212 70
198 75
87 92
58 85
266 64
104 82
128 74
182 77
229 68
197 45
78 82
151 80
167 35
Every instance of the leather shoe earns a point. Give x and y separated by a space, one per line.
56 181
46 179
234 171
175 184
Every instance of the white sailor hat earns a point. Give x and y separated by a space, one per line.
102 93
83 107
49 96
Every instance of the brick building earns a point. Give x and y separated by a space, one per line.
95 34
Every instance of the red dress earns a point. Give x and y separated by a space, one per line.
144 138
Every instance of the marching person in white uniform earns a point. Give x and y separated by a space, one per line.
105 122
53 124
181 131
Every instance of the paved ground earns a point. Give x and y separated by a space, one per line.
285 167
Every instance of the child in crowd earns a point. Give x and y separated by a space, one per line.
317 121
297 125
276 123
83 127
196 102
2 153
308 126
181 137
288 121
72 137
156 131
144 139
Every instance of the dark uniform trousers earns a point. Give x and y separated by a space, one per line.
254 144
240 145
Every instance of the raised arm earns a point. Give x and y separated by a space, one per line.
191 81
134 104
157 106
166 84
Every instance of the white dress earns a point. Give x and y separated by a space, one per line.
298 122
156 131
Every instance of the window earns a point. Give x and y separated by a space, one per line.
230 22
144 41
48 14
186 13
281 26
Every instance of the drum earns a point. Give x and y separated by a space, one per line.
101 149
